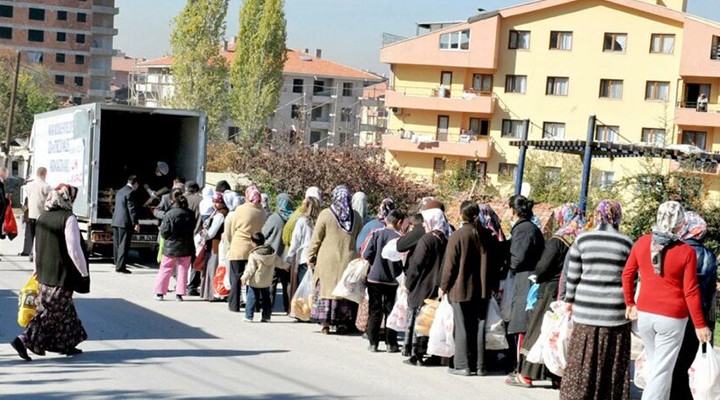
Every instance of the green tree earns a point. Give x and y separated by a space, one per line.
256 73
200 72
35 94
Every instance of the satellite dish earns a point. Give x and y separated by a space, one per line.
525 189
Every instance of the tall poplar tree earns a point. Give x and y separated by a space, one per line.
257 68
200 72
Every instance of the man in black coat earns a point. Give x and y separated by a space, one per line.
125 219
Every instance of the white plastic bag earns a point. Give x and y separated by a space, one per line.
301 302
641 371
398 319
705 374
535 355
352 283
556 346
224 260
495 338
442 342
507 287
390 252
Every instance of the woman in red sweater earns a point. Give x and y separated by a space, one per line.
669 293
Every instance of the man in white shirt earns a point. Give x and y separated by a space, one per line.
36 192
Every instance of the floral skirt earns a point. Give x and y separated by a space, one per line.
332 312
56 326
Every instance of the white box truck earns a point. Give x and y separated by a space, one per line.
96 147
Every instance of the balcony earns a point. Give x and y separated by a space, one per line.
101 30
439 143
106 10
687 114
440 99
102 51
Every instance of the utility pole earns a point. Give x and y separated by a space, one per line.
11 117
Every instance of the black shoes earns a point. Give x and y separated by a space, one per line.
393 349
123 271
19 346
193 292
73 352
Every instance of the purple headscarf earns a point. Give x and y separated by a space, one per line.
489 219
342 208
608 212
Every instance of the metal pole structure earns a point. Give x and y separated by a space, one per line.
521 159
587 162
11 116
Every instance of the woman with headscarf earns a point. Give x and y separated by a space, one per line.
297 254
313 191
247 219
670 292
272 230
526 247
694 235
422 279
206 205
265 203
359 204
377 223
213 229
61 269
548 271
599 349
331 249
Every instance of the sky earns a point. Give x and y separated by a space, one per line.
347 31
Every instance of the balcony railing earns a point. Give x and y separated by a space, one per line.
707 107
441 135
440 91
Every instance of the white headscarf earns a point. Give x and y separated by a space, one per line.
315 192
206 205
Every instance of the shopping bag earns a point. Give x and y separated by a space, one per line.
507 289
223 260
555 349
219 289
27 304
301 302
441 342
425 318
199 263
398 319
641 371
361 321
390 252
535 355
495 338
705 374
352 283
200 241
532 297
9 227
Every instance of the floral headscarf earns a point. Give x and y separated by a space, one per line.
489 219
608 212
667 230
386 206
571 221
284 206
342 209
434 220
252 194
219 199
62 197
695 227
232 200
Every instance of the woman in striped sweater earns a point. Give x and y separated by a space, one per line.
599 350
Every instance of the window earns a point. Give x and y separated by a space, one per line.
459 40
346 115
611 89
36 14
479 126
79 81
81 17
36 36
519 40
35 57
294 111
317 114
59 79
557 86
80 60
715 50
604 179
62 15
60 58
655 90
315 136
560 40
607 133
512 128
5 32
6 11
232 132
515 83
553 130
694 138
616 42
61 36
662 43
483 83
654 136
443 124
318 87
478 167
347 89
298 85
79 38
438 165
507 171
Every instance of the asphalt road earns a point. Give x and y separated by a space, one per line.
139 348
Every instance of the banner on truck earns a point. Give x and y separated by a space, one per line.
57 150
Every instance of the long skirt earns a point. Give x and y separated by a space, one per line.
56 326
548 294
332 312
598 365
207 290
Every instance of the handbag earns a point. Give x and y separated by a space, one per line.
9 227
199 263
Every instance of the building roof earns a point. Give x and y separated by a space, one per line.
158 62
125 64
375 91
